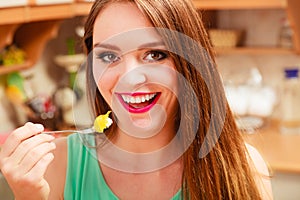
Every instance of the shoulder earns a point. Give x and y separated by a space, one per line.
258 161
56 172
262 175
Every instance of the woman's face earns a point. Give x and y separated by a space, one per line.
133 70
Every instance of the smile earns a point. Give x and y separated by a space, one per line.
138 102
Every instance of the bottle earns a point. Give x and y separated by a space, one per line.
285 34
290 102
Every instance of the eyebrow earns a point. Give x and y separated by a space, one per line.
107 46
152 44
116 48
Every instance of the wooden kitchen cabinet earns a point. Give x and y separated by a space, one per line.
239 4
294 18
31 27
30 37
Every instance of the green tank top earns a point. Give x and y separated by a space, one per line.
84 179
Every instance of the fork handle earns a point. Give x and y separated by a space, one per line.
82 131
59 132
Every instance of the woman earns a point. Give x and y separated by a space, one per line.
173 135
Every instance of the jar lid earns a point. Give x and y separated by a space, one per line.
291 72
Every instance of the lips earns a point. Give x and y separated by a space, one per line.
138 102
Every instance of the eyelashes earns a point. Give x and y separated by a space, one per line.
155 55
149 56
108 57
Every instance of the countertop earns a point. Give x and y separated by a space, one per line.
280 151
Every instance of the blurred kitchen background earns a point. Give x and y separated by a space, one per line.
255 42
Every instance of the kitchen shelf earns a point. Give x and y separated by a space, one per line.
13 68
59 11
82 8
31 38
25 14
242 4
7 33
254 51
31 27
291 7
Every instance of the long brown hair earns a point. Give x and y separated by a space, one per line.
224 173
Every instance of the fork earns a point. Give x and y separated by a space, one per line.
81 131
97 128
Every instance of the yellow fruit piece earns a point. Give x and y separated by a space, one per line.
102 122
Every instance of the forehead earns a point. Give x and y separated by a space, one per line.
117 23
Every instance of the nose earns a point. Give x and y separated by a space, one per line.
134 73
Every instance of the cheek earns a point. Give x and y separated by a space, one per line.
166 77
106 84
104 76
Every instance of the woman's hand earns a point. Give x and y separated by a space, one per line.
24 158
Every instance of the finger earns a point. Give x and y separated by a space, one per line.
34 156
17 136
11 164
34 179
27 145
38 170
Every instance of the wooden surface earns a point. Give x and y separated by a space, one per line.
254 51
239 4
294 19
31 38
24 14
280 151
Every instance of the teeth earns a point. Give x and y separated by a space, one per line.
132 100
138 99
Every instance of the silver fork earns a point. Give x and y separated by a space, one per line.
82 131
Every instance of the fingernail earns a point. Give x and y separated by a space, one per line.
39 127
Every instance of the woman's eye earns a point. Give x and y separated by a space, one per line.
152 56
108 57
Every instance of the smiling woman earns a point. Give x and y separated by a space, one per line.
173 136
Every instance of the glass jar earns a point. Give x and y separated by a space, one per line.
290 102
